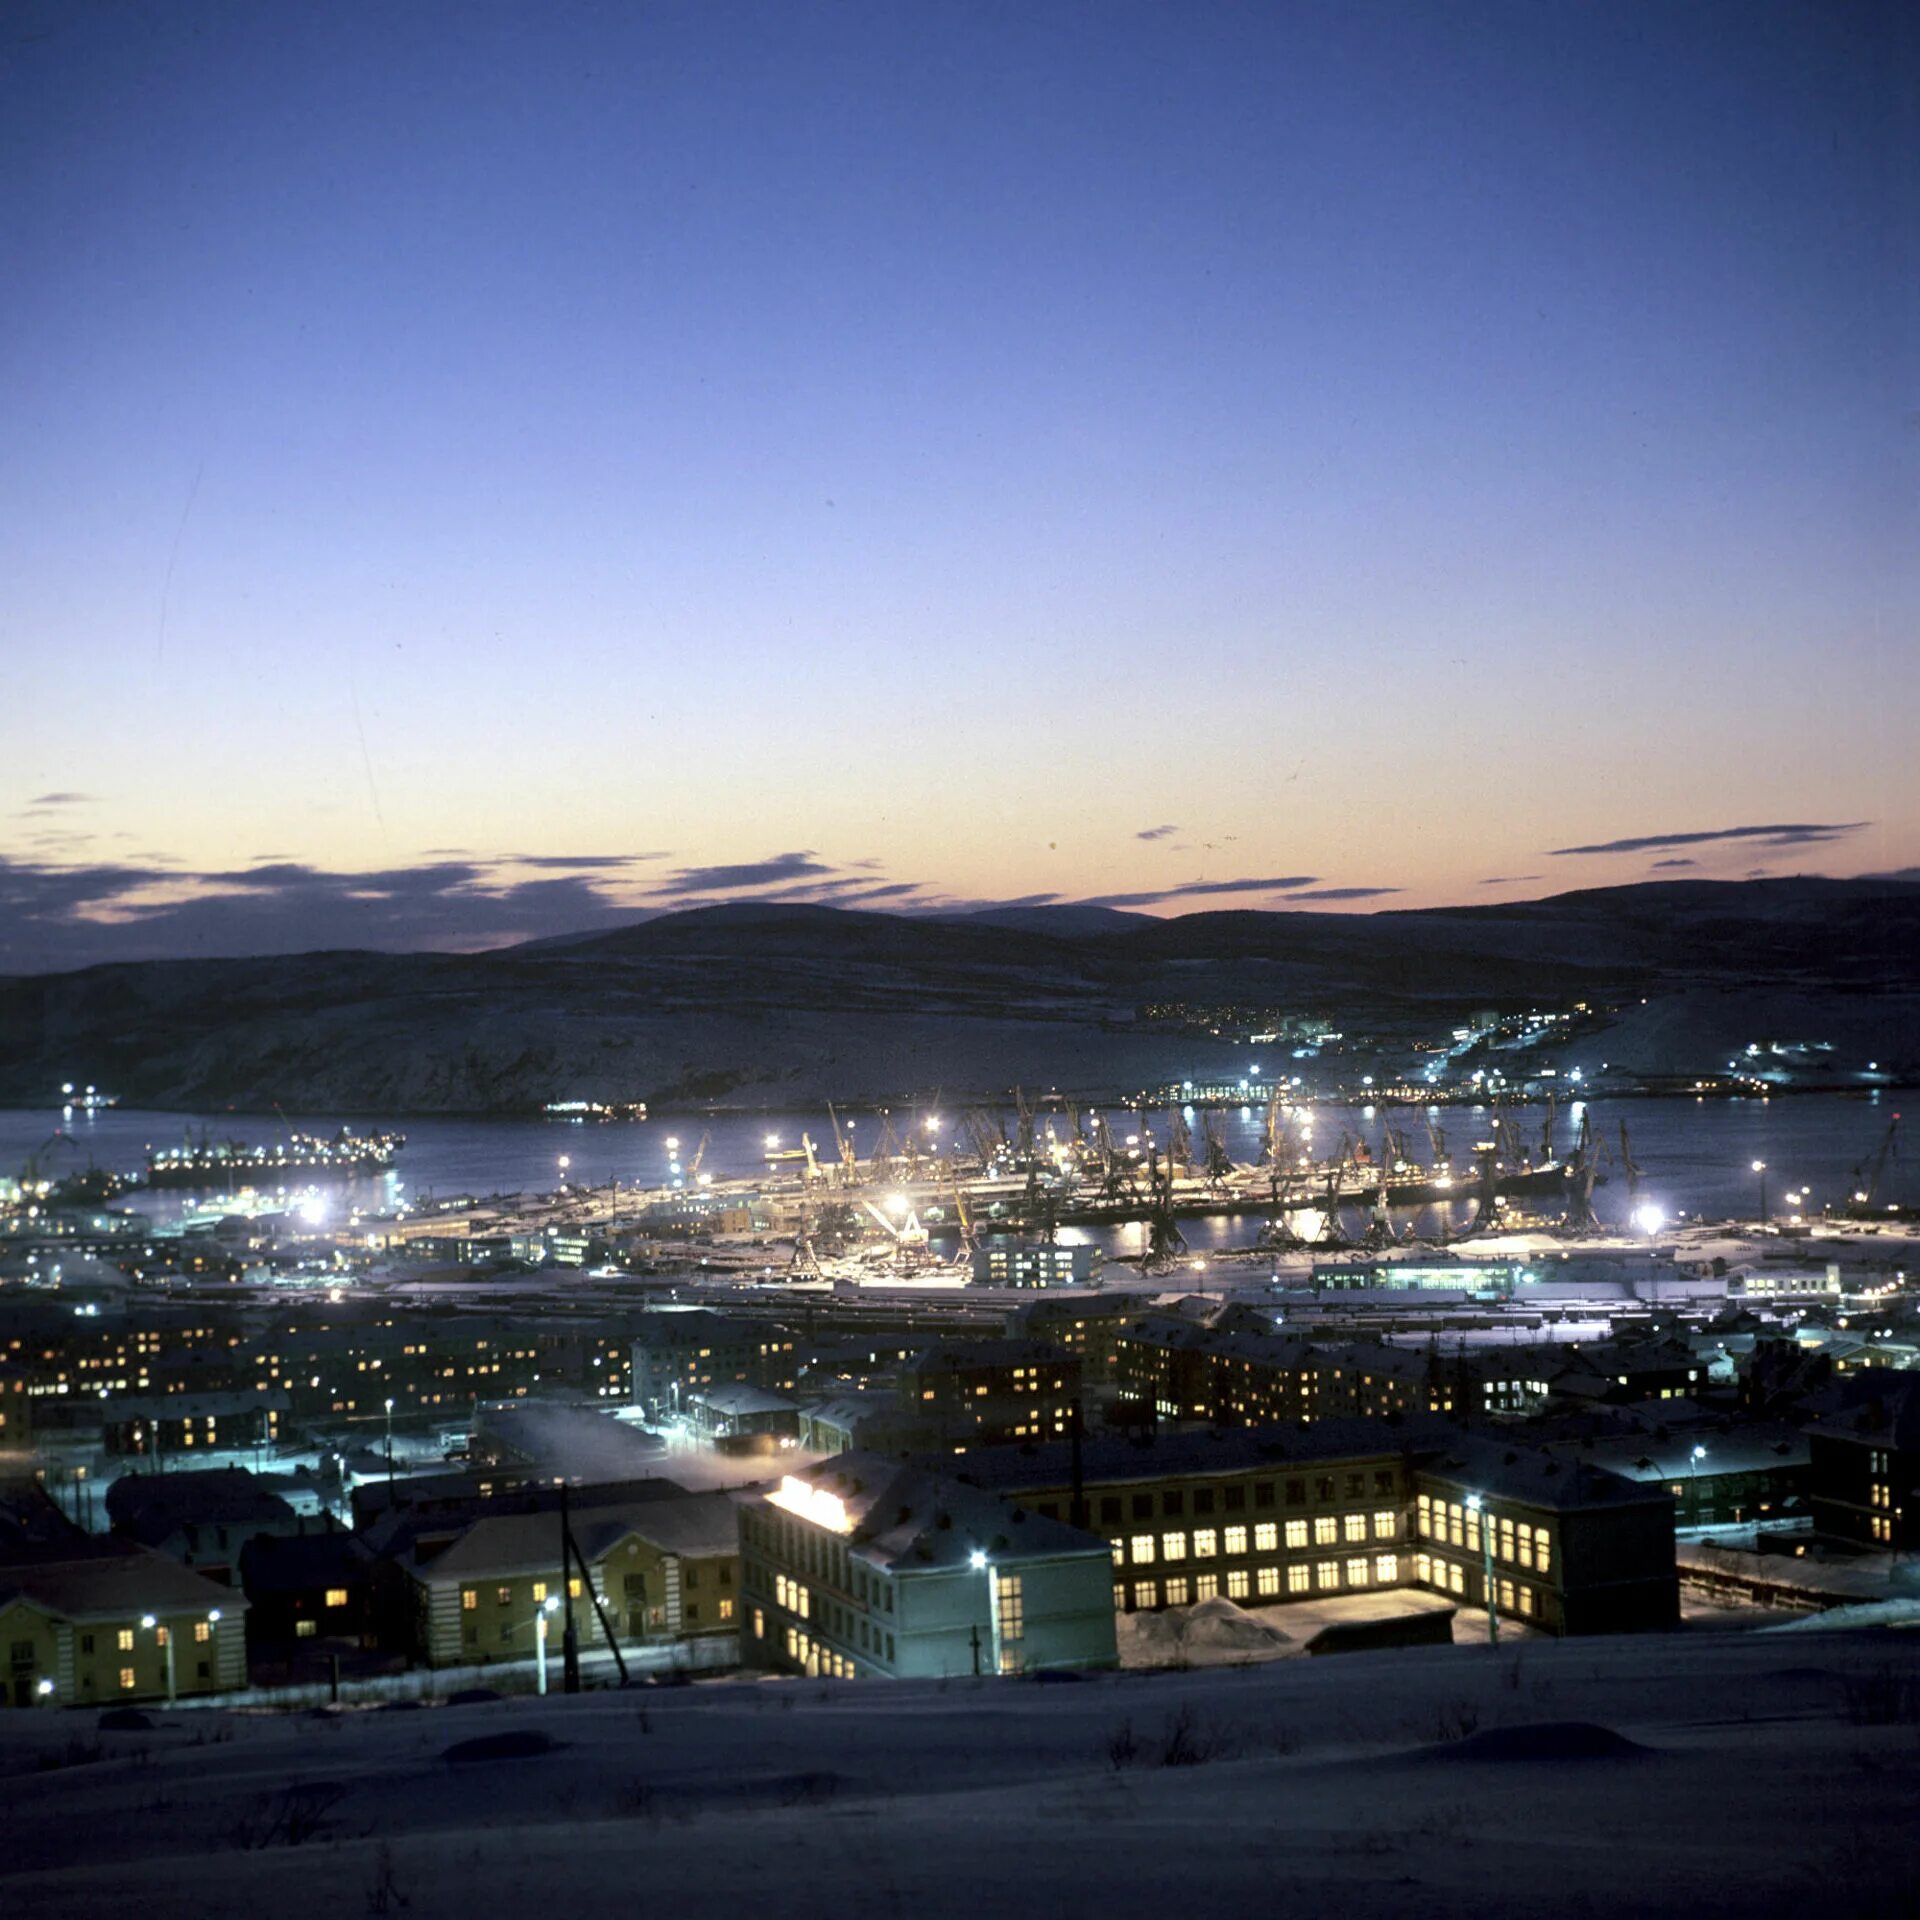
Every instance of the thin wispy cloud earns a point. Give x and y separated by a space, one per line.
62 800
1790 834
747 874
1344 893
1659 865
1508 879
1197 889
1155 833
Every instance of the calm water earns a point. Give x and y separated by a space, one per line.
1694 1157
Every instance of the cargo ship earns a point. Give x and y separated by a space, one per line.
302 1156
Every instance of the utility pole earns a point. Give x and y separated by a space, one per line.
570 1638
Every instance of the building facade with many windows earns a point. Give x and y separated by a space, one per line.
863 1566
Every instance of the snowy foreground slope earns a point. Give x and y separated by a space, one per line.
1755 1774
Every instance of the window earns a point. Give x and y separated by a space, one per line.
126 1679
1356 1573
1173 1504
759 1623
1013 1607
1237 1584
1146 1593
1423 1510
1297 1578
1142 1550
1263 1493
126 1639
1205 1543
1119 1552
1386 1568
1203 1500
573 1587
1173 1546
693 1576
1296 1493
1326 1575
1385 1523
726 1610
1234 1499
202 1631
539 1596
1326 1530
1235 1541
1353 1526
337 1596
1542 1553
503 1596
1177 1591
1205 1585
1143 1506
1267 1581
1296 1533
1109 1506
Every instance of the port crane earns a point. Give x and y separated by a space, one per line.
1868 1175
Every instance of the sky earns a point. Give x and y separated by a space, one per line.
477 471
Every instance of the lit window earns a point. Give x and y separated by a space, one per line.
1297 1579
1146 1594
1386 1568
539 1595
573 1588
1356 1573
126 1679
469 1599
202 1631
304 1629
1205 1543
1384 1523
1173 1546
1326 1575
337 1596
1296 1533
1142 1550
1353 1526
1237 1584
1177 1591
726 1609
1326 1530
126 1639
1235 1541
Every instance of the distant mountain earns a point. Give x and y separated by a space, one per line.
774 1003
1065 922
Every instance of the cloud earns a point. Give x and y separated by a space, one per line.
54 917
578 862
1658 865
1344 893
1190 889
1508 879
1796 834
748 873
62 800
1155 833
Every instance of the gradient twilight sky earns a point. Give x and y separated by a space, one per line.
470 470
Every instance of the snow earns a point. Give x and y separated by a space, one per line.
1348 1786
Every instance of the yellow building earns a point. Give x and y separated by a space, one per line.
663 1570
116 1625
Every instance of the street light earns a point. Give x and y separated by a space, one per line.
979 1562
1485 1522
165 1636
1698 1454
389 1447
550 1605
1760 1167
566 1160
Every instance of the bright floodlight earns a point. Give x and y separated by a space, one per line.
1699 1453
773 1140
977 1560
673 1143
313 1209
1649 1219
933 1123
1472 1503
147 1620
566 1160
45 1688
1759 1166
213 1616
897 1203
552 1603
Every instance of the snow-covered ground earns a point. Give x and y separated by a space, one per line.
1750 1774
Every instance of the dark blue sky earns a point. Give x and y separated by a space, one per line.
941 445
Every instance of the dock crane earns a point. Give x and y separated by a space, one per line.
1868 1175
843 1146
1631 1168
699 1154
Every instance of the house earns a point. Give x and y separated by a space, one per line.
866 1566
662 1569
990 1392
203 1519
315 1586
1864 1467
116 1623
